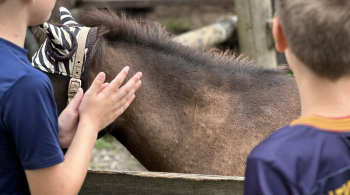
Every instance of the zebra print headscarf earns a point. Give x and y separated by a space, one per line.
56 55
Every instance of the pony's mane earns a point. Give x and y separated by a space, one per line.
152 34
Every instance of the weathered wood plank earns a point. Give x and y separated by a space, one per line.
150 3
255 38
137 183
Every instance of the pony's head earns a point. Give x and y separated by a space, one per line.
58 53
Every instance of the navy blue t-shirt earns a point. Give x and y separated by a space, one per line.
28 120
311 156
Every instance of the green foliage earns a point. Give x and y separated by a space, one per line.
108 138
176 26
105 142
291 75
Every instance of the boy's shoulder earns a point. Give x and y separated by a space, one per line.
14 60
304 155
279 142
15 69
12 56
298 141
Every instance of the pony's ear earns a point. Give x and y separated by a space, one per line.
55 33
48 29
66 17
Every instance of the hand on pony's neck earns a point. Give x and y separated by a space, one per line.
13 26
320 95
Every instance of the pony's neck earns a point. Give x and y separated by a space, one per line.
187 97
171 65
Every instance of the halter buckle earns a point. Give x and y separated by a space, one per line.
74 85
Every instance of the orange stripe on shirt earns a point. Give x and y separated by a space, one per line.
328 124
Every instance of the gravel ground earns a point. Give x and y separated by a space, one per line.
110 155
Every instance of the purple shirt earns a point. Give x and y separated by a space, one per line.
306 158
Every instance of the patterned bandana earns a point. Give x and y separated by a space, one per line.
58 53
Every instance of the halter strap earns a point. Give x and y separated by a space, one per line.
75 82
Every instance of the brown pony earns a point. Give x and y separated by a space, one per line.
195 112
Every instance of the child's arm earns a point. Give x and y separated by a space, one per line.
69 118
97 110
68 121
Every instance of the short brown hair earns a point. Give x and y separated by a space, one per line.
318 33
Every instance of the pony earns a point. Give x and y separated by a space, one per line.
196 112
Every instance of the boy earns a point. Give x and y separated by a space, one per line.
312 154
31 160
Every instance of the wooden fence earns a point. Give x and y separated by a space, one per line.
154 183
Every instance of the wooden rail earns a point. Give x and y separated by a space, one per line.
149 3
144 183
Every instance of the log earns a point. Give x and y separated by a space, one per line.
209 36
144 183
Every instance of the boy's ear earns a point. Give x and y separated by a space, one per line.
280 39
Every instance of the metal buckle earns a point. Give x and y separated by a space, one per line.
74 85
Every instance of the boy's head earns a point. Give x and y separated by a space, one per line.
318 33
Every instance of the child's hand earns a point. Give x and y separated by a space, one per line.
103 103
68 120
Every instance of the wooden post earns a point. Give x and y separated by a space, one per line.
254 35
